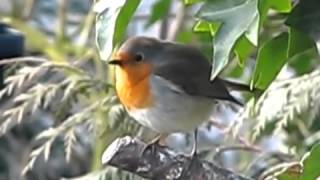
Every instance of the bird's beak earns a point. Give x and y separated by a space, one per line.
115 62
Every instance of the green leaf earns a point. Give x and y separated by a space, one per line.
184 37
202 26
236 72
112 20
159 10
287 176
189 2
237 17
253 31
283 6
311 168
298 42
290 172
303 62
124 18
305 17
301 51
271 58
243 49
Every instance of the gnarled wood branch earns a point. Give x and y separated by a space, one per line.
163 164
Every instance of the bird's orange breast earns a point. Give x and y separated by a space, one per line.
133 87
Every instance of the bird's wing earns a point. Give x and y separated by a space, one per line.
189 70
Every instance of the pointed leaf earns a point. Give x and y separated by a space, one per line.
298 42
305 17
311 164
271 58
291 172
112 20
307 169
236 16
243 49
302 62
202 26
253 31
189 2
283 6
124 18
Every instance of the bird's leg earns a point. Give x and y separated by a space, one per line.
151 145
193 156
195 144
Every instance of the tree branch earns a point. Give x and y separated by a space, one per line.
163 164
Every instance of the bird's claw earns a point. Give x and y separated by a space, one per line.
191 164
150 146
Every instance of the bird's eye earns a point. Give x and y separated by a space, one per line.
138 57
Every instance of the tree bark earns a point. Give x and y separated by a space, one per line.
162 163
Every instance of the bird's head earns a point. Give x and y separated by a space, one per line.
137 51
136 57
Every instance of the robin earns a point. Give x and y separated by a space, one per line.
165 86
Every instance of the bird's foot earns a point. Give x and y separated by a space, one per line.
190 166
193 156
152 145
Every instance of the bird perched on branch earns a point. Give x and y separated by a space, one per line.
165 86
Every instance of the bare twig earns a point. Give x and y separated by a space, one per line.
164 164
86 28
164 27
228 130
28 9
179 20
221 150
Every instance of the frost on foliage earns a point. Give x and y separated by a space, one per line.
286 101
57 88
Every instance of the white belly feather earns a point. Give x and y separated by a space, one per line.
173 111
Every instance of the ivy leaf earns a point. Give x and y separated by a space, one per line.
298 42
253 31
202 26
301 51
308 168
290 172
311 164
305 17
112 20
283 6
236 17
271 57
243 49
303 62
190 2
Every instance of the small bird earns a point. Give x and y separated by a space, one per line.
165 86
